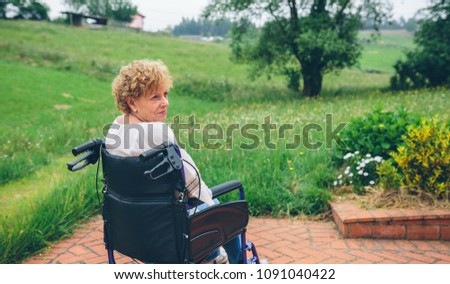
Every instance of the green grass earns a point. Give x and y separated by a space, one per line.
41 219
55 94
102 52
37 184
381 54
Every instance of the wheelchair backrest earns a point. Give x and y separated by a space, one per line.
143 218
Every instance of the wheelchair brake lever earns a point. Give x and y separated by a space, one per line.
73 166
164 162
79 167
172 160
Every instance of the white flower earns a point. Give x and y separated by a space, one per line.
346 172
360 172
372 182
340 181
350 175
378 159
357 153
348 155
340 177
358 168
335 183
368 155
365 174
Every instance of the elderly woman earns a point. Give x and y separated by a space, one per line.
141 93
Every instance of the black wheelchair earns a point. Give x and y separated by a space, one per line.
147 214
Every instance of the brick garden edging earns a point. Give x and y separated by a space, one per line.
410 224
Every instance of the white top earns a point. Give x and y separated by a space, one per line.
133 139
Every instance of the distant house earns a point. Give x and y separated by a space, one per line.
137 22
80 20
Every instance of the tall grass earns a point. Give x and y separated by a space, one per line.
42 220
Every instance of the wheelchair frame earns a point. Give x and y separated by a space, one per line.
171 161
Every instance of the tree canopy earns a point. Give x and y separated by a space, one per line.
300 39
25 9
429 64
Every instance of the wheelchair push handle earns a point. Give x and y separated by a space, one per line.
92 149
94 143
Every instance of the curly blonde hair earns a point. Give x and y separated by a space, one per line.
137 78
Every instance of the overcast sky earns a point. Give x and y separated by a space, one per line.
161 13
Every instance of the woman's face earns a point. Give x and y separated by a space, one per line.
152 106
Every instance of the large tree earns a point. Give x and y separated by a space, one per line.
301 39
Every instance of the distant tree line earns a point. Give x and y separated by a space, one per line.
407 24
205 27
24 9
202 27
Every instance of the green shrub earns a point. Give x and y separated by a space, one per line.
428 65
389 176
425 157
378 132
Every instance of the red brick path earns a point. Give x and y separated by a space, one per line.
277 240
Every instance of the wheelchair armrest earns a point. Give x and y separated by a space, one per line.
225 188
218 190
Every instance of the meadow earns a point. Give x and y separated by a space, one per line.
55 94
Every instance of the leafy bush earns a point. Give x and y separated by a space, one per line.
429 64
361 171
389 176
378 133
420 70
425 157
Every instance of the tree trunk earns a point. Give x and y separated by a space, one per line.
312 82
